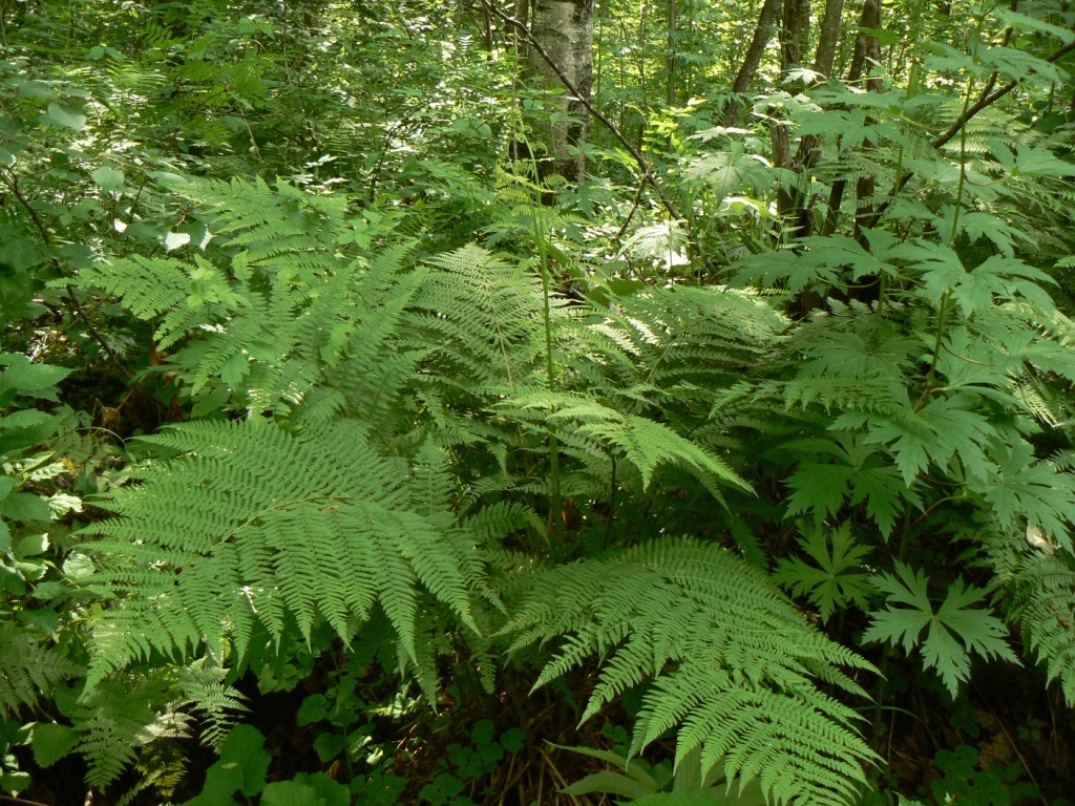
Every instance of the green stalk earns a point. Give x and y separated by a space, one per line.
555 521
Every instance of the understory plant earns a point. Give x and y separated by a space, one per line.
737 466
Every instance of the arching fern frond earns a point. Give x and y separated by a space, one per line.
279 528
733 664
290 295
29 670
1037 590
645 443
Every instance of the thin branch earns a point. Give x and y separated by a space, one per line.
12 181
987 97
647 172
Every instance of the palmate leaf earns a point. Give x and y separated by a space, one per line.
954 631
1024 489
856 471
834 579
944 429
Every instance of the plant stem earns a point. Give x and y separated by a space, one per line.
555 519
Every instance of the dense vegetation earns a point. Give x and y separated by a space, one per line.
353 455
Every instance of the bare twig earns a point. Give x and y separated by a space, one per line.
648 177
12 181
986 98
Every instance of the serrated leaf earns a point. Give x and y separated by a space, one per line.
956 630
818 488
835 580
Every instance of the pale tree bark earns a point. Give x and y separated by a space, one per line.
763 32
564 29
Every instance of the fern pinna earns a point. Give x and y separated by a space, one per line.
398 417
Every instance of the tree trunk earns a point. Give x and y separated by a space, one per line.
794 33
867 54
829 37
866 46
564 29
870 18
670 94
763 32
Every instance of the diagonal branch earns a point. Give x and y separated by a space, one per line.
648 177
11 179
990 96
987 97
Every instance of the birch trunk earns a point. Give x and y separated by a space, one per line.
564 28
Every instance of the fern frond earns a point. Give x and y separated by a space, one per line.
118 718
29 670
216 703
336 534
484 315
1037 589
732 663
645 443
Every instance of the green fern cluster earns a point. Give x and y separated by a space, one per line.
344 529
1036 586
407 422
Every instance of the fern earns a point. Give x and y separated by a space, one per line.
733 664
29 670
259 323
1037 591
339 532
121 716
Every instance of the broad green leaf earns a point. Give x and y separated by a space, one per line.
51 742
1022 488
818 487
954 632
835 579
1020 65
108 179
1025 22
26 378
71 117
1032 161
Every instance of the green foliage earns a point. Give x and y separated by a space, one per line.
1037 589
242 769
954 631
823 346
380 523
259 552
729 658
659 786
834 581
469 762
963 781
